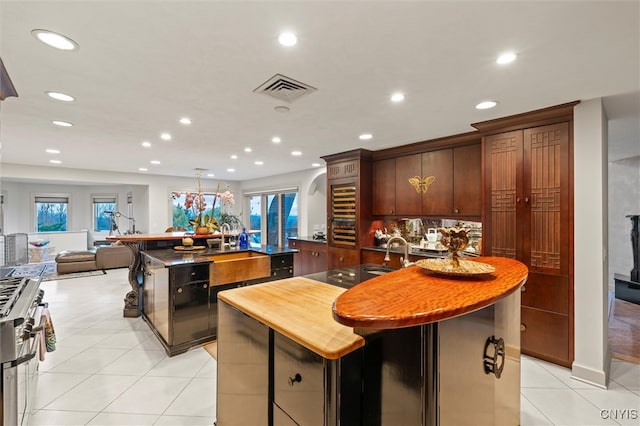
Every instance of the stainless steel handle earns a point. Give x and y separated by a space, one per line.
494 362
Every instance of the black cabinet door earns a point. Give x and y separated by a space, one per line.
213 306
191 311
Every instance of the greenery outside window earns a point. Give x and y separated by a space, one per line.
275 214
51 213
104 206
182 214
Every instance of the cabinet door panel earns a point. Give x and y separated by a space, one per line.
545 335
503 160
467 180
339 258
438 198
384 187
191 312
546 198
408 198
546 292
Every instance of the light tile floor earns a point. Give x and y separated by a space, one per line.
110 370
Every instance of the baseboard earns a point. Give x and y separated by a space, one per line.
598 378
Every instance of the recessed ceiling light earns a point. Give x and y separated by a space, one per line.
296 153
234 157
231 170
486 105
258 163
506 58
287 39
276 139
55 161
60 96
315 164
365 136
185 120
210 175
397 97
143 169
55 40
165 136
247 149
146 144
154 162
52 151
62 123
281 108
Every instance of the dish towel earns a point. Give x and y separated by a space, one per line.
48 337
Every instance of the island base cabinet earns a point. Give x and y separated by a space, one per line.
315 391
243 369
479 366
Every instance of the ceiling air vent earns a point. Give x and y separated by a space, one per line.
284 88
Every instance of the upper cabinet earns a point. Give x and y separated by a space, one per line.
444 182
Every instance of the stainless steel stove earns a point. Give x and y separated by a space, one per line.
21 325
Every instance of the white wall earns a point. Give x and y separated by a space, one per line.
590 239
151 195
624 199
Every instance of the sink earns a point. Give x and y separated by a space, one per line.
377 270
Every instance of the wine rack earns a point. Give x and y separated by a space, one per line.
343 215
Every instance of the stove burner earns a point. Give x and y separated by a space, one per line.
10 290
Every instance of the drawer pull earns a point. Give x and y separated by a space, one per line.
523 327
523 289
295 379
179 290
494 362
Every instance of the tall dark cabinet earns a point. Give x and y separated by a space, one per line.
528 204
348 206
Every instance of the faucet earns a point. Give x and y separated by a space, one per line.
404 261
222 232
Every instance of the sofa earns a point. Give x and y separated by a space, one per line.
101 257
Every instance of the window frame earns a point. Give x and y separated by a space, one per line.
102 198
50 195
264 196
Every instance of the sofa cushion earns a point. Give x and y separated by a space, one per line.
70 256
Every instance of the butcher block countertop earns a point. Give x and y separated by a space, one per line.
412 296
300 309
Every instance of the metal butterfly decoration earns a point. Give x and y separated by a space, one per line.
422 185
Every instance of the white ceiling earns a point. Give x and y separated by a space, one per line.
143 65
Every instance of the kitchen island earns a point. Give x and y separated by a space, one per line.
402 348
138 243
180 288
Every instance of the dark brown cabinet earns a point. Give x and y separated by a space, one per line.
527 217
311 256
384 182
348 206
444 182
467 181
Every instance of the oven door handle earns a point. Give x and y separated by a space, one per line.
23 359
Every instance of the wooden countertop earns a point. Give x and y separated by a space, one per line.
300 309
411 296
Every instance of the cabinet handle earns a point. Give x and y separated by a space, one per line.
517 199
390 211
180 290
523 289
295 379
494 362
523 327
205 285
456 210
526 199
341 259
148 274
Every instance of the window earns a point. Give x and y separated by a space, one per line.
275 214
51 213
104 207
183 214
